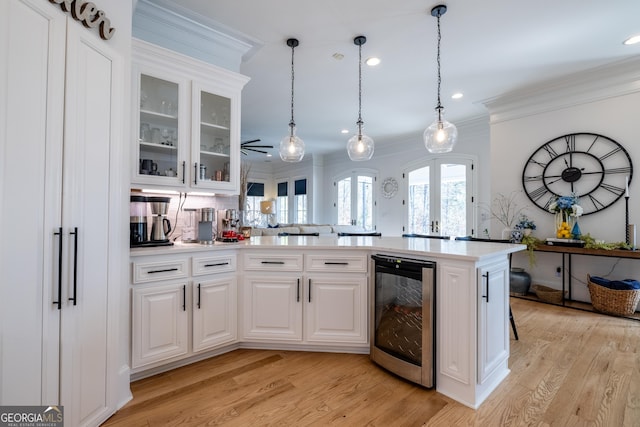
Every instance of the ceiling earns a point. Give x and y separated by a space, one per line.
488 48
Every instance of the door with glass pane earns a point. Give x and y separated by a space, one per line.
439 194
355 200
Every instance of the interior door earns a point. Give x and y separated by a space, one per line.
439 197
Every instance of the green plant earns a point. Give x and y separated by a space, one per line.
531 242
591 243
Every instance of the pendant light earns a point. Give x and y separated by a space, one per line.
440 136
291 146
360 146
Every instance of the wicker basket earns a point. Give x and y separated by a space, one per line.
548 294
613 301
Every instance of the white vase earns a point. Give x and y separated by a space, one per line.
506 233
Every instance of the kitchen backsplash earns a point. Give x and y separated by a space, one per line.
175 213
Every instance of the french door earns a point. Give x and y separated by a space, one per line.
354 199
439 197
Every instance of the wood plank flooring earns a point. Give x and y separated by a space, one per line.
569 368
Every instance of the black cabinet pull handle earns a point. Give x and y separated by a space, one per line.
273 262
163 271
59 301
309 290
198 295
75 266
184 297
298 291
487 277
195 173
335 263
184 167
217 264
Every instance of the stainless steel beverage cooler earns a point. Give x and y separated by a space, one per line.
403 317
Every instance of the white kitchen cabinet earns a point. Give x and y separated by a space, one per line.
316 299
61 263
336 309
159 323
214 312
183 304
187 122
472 329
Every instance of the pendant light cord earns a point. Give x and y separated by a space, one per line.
292 124
439 106
360 122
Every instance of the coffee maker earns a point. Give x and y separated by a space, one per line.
206 234
138 234
160 225
228 222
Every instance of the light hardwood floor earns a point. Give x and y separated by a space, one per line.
569 368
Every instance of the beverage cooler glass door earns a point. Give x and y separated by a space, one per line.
403 317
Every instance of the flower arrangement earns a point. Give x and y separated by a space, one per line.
567 211
525 223
505 209
567 205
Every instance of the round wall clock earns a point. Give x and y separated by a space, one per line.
389 188
593 167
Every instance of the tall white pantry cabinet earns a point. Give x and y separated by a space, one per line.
63 191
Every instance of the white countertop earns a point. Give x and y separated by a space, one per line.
452 249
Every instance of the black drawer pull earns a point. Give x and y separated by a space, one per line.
335 263
273 262
216 265
163 271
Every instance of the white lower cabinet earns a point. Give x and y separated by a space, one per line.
321 300
177 314
214 312
160 323
472 329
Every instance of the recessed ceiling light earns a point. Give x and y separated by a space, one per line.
338 56
344 131
269 154
632 40
457 95
372 62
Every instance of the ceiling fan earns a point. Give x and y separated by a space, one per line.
246 146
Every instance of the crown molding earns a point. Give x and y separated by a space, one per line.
166 24
606 81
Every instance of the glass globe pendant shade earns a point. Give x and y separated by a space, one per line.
360 147
440 136
291 147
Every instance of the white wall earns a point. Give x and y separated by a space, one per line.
520 126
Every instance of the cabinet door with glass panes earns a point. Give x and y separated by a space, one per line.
162 129
215 159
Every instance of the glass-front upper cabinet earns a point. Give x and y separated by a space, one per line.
186 122
162 125
216 138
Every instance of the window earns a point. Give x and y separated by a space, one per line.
292 206
255 194
355 199
439 195
300 201
282 203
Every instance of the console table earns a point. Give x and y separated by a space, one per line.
567 252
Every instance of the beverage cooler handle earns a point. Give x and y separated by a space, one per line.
59 301
184 167
195 173
486 275
75 265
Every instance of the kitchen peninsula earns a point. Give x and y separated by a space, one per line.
312 293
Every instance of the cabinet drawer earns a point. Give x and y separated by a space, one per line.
336 264
275 262
213 264
153 271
